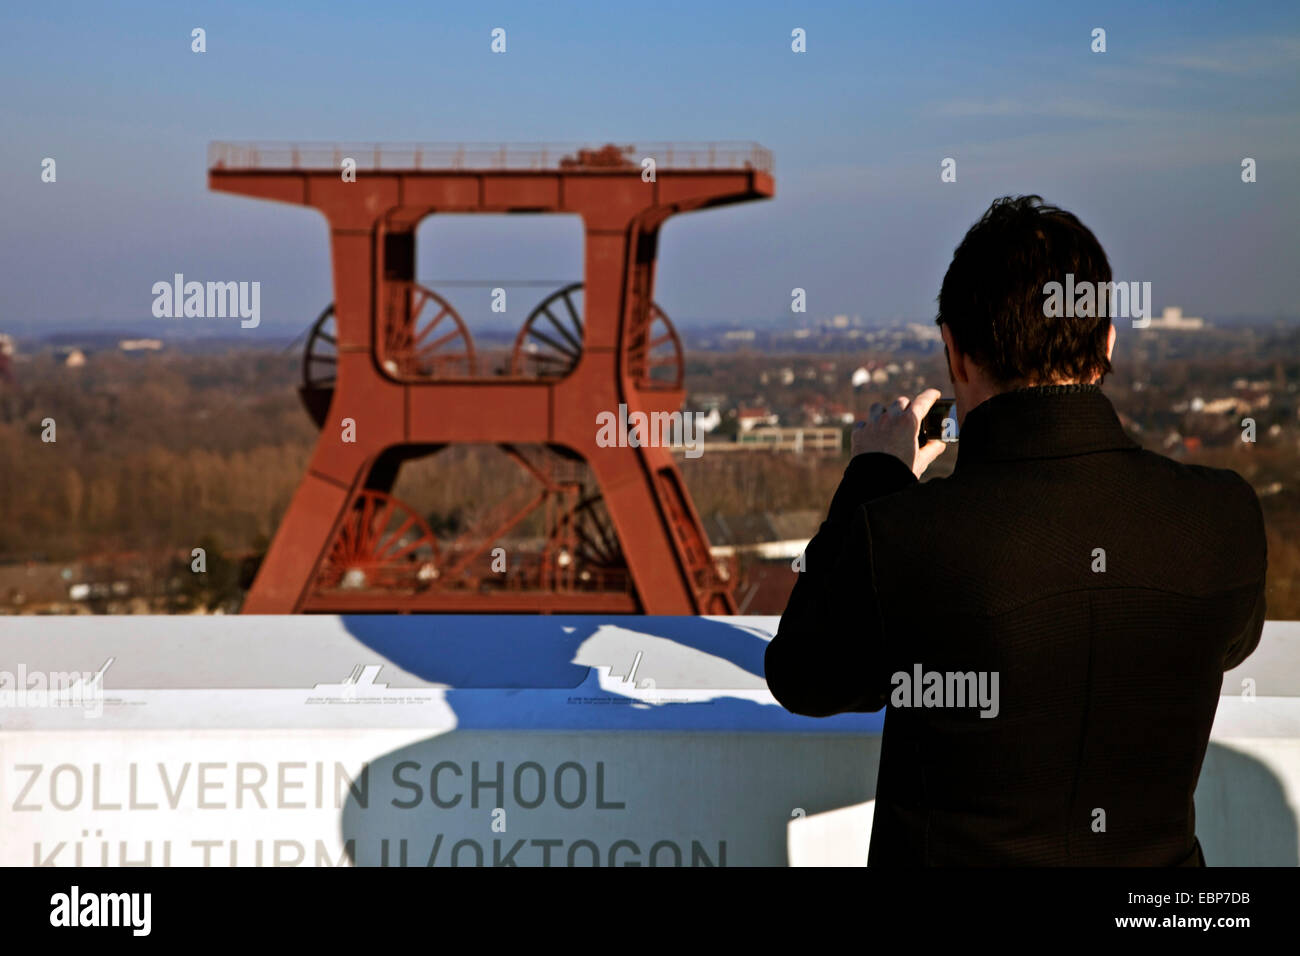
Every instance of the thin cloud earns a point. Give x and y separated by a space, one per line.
1057 109
1237 57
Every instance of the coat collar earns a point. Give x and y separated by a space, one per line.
1046 421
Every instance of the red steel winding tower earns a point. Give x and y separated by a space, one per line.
620 531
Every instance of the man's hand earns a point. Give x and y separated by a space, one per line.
894 431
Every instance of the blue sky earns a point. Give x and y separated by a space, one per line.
1143 142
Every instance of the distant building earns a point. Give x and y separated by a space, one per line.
797 440
836 412
1173 319
873 373
748 418
7 351
1249 400
75 358
140 345
923 333
823 412
1215 406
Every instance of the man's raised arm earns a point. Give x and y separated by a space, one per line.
825 657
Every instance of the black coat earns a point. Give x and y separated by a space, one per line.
1106 680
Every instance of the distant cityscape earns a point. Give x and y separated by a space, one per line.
167 440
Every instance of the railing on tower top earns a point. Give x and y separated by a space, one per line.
485 156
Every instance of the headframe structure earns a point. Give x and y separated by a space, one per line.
620 532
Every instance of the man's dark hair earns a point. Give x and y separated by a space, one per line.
993 298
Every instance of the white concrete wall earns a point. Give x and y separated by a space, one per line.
244 740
